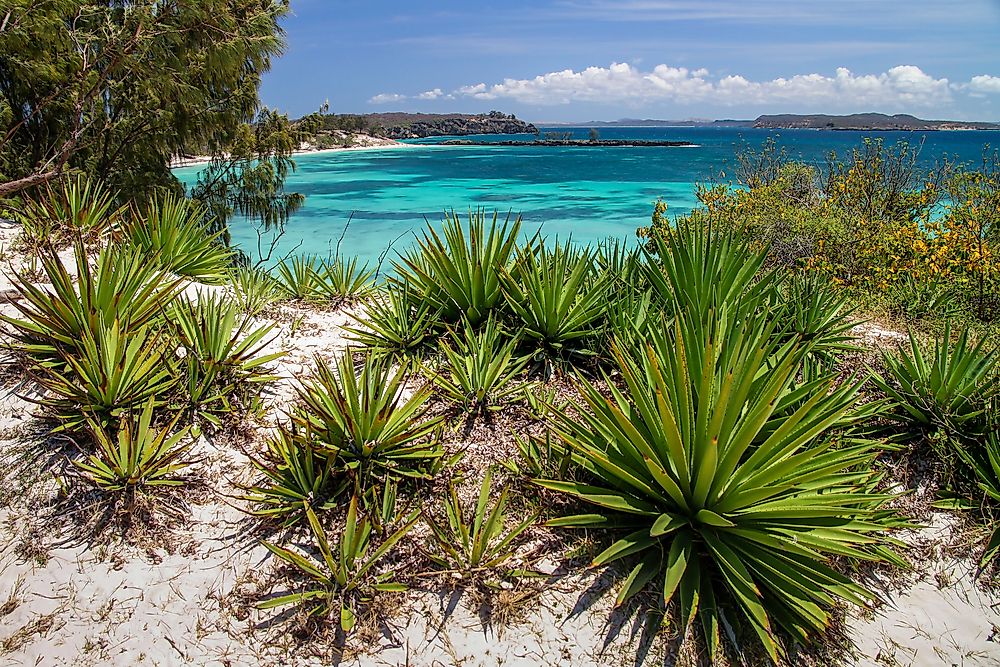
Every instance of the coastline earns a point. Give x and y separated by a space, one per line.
197 160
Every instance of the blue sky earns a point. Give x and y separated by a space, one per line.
576 60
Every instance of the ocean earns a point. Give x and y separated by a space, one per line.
586 194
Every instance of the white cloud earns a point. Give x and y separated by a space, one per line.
432 94
905 86
386 98
984 83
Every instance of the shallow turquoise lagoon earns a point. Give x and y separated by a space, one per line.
585 193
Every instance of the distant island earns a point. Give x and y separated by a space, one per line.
420 125
586 143
866 122
654 122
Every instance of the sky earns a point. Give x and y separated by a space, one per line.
579 60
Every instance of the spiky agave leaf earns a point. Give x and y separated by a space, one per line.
557 300
174 234
299 277
344 578
344 280
458 272
397 326
948 389
480 370
478 546
364 419
138 455
80 209
736 502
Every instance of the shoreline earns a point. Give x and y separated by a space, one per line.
198 160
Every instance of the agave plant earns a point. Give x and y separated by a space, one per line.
458 273
172 232
344 280
813 313
479 546
364 420
733 502
299 277
254 289
223 357
620 265
398 327
79 209
120 288
138 456
296 474
557 300
983 458
947 390
480 371
345 576
113 372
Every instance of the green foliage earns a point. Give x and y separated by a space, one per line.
112 372
299 277
480 370
345 576
78 209
296 473
459 273
815 314
254 290
557 300
121 287
477 546
363 419
139 456
983 459
223 365
344 280
947 390
172 233
729 477
398 326
115 90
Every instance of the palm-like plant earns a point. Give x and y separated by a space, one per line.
480 370
398 327
729 478
948 389
296 473
983 459
299 277
346 576
364 420
121 287
223 359
138 456
253 289
80 209
172 232
813 313
113 371
344 280
478 546
557 300
458 273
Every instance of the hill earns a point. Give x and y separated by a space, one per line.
397 125
866 121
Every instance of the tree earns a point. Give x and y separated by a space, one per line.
595 136
115 88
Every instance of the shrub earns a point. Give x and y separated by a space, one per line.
345 576
947 390
983 459
734 499
223 362
480 371
398 327
120 288
363 419
458 273
813 313
138 456
172 233
557 301
79 210
299 277
254 289
343 280
478 546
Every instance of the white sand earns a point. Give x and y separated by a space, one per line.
363 142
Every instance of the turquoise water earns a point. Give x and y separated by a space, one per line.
585 193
